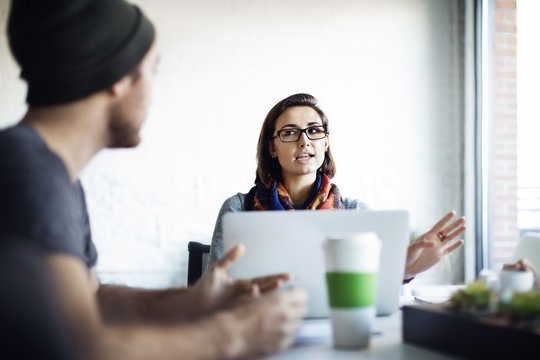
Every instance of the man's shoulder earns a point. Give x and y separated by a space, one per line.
26 159
33 181
39 201
18 137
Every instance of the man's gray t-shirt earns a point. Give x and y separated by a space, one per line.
38 201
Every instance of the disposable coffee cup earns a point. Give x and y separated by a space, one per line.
352 267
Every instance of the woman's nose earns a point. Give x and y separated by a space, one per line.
304 140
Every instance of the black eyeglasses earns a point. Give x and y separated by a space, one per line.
293 134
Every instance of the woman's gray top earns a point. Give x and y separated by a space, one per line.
236 203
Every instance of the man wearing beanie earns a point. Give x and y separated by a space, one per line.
89 66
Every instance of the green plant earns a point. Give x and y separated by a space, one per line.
523 304
475 296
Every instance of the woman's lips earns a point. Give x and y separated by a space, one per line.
304 157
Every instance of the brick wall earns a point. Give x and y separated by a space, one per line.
504 230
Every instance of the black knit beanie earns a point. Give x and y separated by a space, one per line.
69 49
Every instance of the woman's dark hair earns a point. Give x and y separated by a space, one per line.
268 168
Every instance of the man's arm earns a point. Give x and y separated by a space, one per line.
214 290
125 305
255 326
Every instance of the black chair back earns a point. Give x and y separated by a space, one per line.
198 253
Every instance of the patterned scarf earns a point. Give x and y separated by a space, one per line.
325 196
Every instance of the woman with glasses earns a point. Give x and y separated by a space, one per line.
294 168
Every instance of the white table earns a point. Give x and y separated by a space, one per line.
315 343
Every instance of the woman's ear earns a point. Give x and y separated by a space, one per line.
272 150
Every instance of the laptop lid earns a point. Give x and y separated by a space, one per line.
291 241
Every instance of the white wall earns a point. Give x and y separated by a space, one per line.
386 73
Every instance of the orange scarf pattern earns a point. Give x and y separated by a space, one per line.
325 196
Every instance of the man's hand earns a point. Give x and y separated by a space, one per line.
215 289
261 325
258 324
429 248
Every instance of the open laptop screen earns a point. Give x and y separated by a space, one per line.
291 241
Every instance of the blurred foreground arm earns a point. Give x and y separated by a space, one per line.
214 290
253 324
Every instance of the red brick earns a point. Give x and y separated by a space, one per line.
505 28
510 16
501 95
499 125
505 115
505 52
511 85
505 4
511 41
499 261
506 129
505 247
505 75
508 66
505 218
509 147
499 63
505 178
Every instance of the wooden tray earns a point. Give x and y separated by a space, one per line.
442 328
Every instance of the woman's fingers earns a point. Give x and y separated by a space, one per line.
455 233
455 224
438 226
453 247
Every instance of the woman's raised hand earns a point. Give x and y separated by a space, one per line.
429 248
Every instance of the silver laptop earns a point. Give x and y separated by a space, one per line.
291 241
